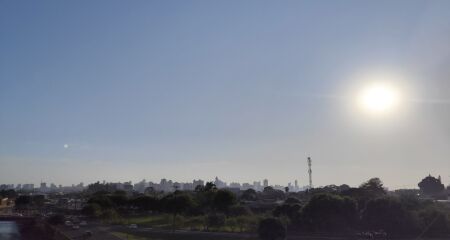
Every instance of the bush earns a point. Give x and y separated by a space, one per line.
215 220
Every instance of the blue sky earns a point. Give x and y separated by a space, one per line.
198 89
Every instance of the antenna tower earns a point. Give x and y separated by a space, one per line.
310 173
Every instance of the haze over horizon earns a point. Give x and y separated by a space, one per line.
119 91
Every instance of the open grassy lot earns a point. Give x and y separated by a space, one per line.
168 235
196 223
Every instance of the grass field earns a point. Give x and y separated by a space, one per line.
199 223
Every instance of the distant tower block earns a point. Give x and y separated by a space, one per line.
310 173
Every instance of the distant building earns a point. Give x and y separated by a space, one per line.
265 183
28 187
257 186
198 183
43 187
246 186
127 186
6 186
219 183
235 185
140 186
188 187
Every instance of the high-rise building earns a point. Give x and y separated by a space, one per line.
219 183
265 183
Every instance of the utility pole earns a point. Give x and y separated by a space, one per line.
310 173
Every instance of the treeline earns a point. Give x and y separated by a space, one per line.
214 205
332 209
368 208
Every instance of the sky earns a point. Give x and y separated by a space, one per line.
242 90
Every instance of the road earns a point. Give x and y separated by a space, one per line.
99 232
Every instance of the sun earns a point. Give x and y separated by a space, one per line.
378 98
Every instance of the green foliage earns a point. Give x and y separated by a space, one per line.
215 220
146 203
389 214
176 203
271 229
102 200
110 215
210 186
238 210
292 200
273 194
92 210
249 195
329 213
223 200
292 211
331 209
374 186
119 200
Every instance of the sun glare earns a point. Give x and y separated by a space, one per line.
378 98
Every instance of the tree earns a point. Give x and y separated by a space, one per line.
249 195
23 202
210 186
329 213
292 200
388 214
292 211
146 203
176 203
102 200
238 210
374 186
431 185
92 210
270 192
223 199
271 229
118 200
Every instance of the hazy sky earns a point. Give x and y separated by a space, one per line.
243 90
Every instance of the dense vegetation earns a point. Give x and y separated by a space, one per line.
272 214
336 210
